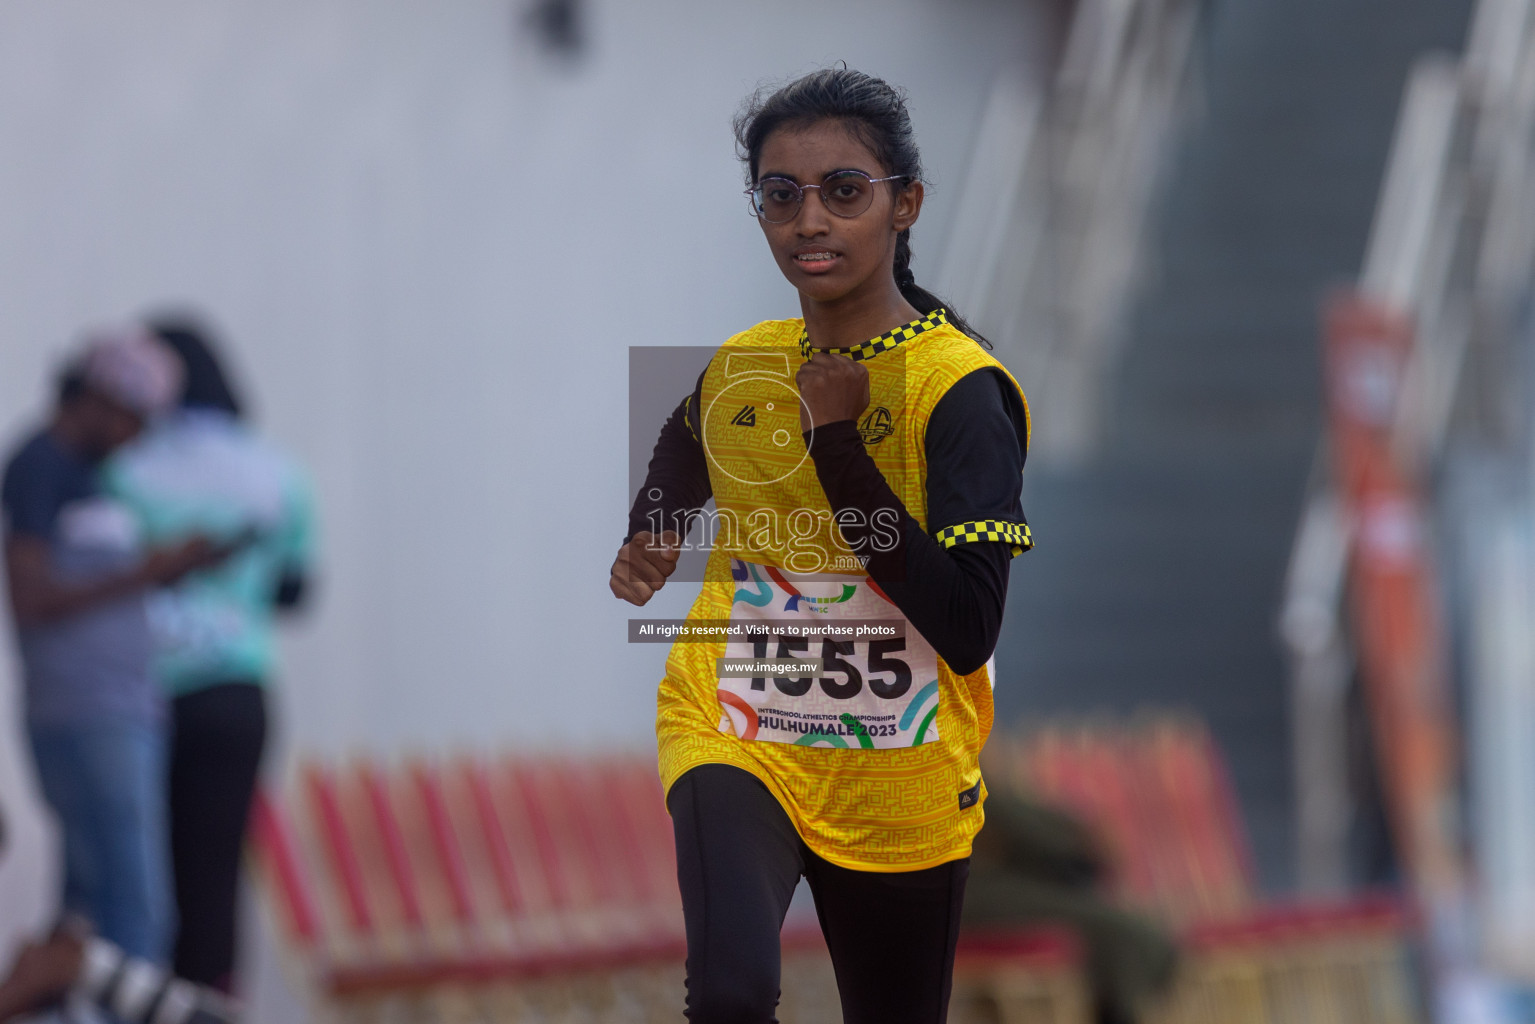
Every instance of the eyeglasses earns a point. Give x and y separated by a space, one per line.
845 193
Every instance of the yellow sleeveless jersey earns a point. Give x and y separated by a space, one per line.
874 753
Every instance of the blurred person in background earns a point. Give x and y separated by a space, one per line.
203 470
71 968
1038 865
77 579
71 965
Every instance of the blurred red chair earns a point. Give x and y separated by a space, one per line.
1157 793
393 886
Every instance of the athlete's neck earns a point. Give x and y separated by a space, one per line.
853 320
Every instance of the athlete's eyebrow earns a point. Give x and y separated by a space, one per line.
836 170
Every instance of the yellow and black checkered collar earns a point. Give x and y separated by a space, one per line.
884 343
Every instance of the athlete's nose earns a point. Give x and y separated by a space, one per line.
814 219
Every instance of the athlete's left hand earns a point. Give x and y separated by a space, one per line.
831 388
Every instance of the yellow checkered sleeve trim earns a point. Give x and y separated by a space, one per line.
1016 535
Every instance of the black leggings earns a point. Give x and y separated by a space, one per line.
891 935
215 752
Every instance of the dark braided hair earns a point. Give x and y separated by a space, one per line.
206 385
875 113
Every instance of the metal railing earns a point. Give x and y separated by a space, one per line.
1452 249
1048 233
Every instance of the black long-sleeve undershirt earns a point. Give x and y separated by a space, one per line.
677 479
953 596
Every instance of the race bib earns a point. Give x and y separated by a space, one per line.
862 678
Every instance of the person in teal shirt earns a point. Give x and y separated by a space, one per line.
204 471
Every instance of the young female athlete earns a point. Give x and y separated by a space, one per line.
865 466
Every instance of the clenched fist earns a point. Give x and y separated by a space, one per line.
831 388
643 565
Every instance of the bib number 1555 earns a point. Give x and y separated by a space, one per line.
850 669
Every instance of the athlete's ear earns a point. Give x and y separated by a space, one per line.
908 205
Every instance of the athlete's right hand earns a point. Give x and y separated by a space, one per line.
643 565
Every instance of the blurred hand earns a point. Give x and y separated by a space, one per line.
166 565
643 565
43 972
831 388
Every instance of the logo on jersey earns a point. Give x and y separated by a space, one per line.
762 593
747 417
876 426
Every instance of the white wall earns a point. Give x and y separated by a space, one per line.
430 246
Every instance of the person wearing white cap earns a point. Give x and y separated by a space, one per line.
77 580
